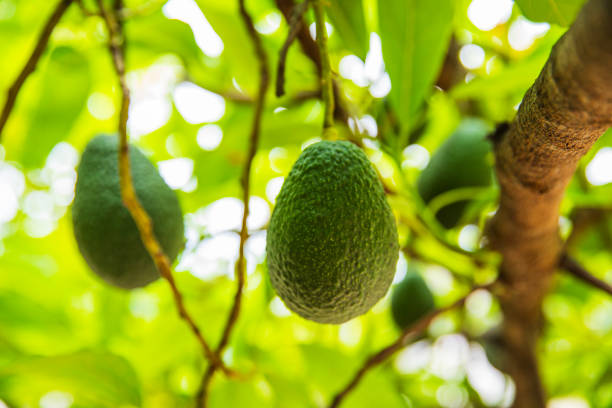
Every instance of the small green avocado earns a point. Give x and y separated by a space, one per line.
103 227
460 162
332 244
411 300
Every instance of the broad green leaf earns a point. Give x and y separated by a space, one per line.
18 312
348 18
414 35
560 12
66 80
171 36
94 380
517 77
240 394
386 395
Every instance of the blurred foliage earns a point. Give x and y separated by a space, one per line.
560 12
66 339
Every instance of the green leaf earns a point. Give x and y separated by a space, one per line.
414 35
240 394
348 19
66 81
171 36
18 312
515 78
94 380
560 12
386 395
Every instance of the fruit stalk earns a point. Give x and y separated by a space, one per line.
130 200
327 84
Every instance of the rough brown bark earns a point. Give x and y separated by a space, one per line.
561 116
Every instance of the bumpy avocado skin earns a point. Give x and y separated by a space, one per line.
411 300
461 161
104 230
332 244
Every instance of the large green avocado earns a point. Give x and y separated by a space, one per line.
104 229
460 162
411 300
332 244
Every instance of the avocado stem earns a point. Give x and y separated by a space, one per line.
327 87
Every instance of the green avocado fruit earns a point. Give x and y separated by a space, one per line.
104 229
411 300
332 245
461 161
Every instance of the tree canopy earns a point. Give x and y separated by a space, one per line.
223 98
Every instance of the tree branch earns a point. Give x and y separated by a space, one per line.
403 340
561 116
327 85
264 81
583 218
295 24
30 66
309 47
128 194
85 11
572 266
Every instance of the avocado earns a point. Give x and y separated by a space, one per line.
103 227
332 244
411 300
461 161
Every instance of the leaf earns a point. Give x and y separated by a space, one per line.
171 36
386 395
95 380
348 19
414 36
239 394
560 12
66 81
18 311
517 77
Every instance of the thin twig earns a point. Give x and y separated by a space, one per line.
302 96
327 84
128 194
264 81
141 10
572 266
295 25
309 47
397 345
30 66
583 218
231 95
86 12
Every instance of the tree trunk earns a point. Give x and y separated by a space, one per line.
561 116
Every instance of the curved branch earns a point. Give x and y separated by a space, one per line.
295 25
310 50
327 84
572 266
128 194
264 81
30 66
561 116
401 342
